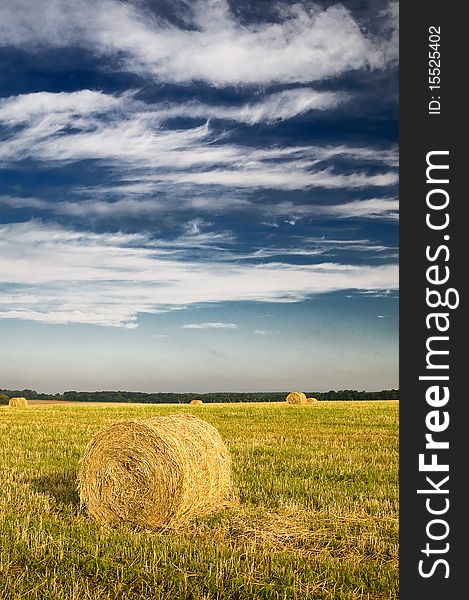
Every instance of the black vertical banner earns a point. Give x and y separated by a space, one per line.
433 348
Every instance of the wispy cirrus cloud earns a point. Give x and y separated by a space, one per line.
197 233
385 209
57 275
308 43
286 176
65 106
119 132
372 208
272 108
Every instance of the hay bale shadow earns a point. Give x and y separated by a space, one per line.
61 485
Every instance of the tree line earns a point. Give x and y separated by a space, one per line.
173 398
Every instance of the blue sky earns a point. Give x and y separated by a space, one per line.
198 196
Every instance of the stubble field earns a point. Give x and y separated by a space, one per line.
316 516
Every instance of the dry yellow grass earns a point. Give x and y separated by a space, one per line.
155 473
20 401
296 398
317 517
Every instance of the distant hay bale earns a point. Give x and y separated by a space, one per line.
196 402
155 473
312 400
297 398
18 402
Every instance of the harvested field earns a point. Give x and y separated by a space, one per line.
70 402
316 517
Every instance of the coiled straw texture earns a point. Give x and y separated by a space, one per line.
297 398
155 473
18 402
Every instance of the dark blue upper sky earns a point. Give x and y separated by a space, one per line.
198 195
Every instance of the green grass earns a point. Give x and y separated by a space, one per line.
317 515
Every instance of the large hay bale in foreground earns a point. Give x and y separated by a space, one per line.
297 398
196 402
18 402
155 473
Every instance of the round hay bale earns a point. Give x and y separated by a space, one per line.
196 402
312 400
154 473
18 402
297 398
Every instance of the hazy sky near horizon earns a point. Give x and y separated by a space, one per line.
198 196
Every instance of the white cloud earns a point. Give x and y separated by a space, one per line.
391 47
63 106
210 326
387 156
373 208
56 275
386 209
274 107
197 233
287 176
264 332
25 202
309 44
389 293
69 106
123 133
